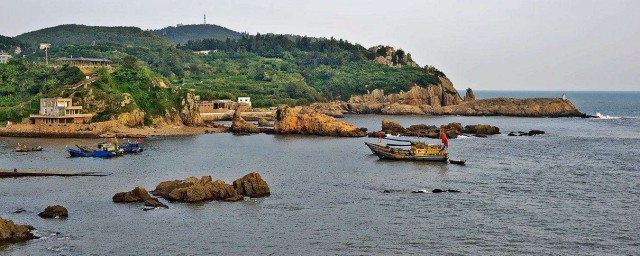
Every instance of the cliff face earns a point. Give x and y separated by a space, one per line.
411 102
388 56
298 121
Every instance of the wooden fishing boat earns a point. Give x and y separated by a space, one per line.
418 151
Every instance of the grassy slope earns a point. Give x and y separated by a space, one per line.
85 35
182 34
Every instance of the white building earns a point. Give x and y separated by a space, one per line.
44 46
244 101
4 57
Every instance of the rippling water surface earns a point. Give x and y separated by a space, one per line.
575 190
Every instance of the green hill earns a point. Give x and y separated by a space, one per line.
8 43
182 34
62 35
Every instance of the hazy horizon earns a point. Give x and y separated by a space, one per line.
484 45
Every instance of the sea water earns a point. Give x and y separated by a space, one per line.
573 191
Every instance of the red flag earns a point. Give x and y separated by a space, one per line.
444 136
139 140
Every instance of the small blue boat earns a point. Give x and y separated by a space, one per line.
104 150
131 147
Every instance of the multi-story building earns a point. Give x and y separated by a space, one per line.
59 111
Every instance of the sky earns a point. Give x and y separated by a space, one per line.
559 45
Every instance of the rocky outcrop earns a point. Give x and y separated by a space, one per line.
56 211
332 109
300 121
239 125
138 194
134 118
534 107
391 127
417 101
469 96
154 203
189 113
193 190
388 56
11 233
263 122
453 130
252 185
482 129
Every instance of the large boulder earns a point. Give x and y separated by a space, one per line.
298 121
239 125
481 129
252 185
138 194
11 233
263 122
194 190
56 211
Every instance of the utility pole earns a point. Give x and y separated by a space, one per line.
46 55
205 20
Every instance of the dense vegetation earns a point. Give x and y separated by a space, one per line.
62 35
8 44
274 69
183 33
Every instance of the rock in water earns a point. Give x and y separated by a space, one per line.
481 129
239 125
155 203
298 121
391 127
535 132
264 123
138 194
252 185
56 211
11 233
194 190
437 190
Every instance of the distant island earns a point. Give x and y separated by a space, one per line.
157 77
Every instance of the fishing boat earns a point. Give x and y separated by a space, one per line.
417 150
105 149
131 147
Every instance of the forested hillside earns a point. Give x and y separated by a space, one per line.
183 33
8 43
63 35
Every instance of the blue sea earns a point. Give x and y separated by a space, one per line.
572 191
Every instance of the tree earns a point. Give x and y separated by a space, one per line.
130 62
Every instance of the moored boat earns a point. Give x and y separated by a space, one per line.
418 151
104 149
132 147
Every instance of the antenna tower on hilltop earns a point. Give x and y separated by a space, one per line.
205 20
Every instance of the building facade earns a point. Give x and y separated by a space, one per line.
244 101
4 57
59 111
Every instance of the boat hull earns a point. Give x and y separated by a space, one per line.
81 153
